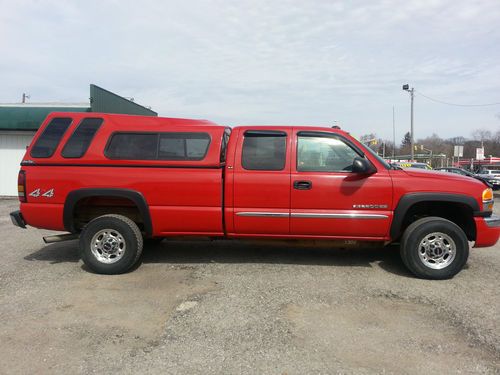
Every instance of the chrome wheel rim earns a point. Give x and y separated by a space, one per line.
437 250
108 246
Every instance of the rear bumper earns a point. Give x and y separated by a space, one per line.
487 230
17 219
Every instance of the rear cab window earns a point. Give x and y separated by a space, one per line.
264 150
174 146
224 144
47 143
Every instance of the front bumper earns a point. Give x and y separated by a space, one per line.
487 230
492 221
17 219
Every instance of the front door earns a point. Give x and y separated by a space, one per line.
262 182
327 199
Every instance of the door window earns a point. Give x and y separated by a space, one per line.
264 150
324 154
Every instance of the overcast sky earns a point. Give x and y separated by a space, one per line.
263 61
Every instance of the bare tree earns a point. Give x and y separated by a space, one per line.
371 140
481 134
496 137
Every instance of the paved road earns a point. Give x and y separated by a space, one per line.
228 307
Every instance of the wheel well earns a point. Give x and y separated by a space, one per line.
88 208
456 212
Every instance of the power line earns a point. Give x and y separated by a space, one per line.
454 104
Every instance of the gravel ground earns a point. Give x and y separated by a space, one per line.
231 307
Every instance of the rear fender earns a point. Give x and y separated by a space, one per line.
76 195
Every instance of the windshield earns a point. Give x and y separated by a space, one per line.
419 166
381 160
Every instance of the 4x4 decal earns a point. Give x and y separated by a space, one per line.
35 193
38 192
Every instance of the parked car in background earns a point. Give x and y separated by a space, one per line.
495 184
493 177
490 172
413 165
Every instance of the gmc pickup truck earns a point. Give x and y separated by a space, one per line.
115 180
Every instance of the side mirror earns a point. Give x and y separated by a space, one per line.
362 166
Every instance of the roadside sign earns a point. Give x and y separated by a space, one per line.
458 151
480 153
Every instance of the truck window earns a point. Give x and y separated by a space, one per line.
264 150
48 141
132 146
324 154
158 146
183 146
223 148
81 138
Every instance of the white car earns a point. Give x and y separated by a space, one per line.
493 176
494 172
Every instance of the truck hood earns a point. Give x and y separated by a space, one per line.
437 175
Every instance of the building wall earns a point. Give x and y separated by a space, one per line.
12 148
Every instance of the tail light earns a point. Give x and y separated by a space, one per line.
21 186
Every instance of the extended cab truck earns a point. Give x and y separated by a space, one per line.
112 180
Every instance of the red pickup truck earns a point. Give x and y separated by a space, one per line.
114 180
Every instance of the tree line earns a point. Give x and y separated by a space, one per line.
437 145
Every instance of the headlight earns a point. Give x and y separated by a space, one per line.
488 200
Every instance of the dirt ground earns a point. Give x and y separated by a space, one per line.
220 307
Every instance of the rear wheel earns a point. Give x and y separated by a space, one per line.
110 244
434 248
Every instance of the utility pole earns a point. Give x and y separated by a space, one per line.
406 87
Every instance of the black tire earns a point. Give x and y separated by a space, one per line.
417 232
123 234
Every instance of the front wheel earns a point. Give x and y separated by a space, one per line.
434 248
110 244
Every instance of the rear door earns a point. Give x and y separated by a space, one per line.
327 198
262 182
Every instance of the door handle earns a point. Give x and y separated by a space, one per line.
302 185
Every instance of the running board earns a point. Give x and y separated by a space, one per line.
60 238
